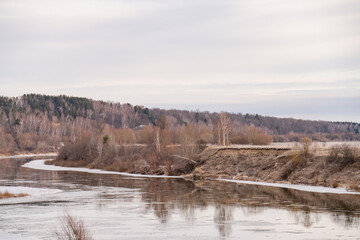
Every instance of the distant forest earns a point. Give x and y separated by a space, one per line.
39 122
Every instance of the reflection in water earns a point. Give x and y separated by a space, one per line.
347 219
158 198
223 218
163 196
258 198
167 197
305 216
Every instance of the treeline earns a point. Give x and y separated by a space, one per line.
36 122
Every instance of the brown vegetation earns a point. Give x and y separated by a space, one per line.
156 155
300 155
6 194
163 149
251 135
72 229
300 165
343 155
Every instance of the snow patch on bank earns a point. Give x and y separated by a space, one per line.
306 188
40 165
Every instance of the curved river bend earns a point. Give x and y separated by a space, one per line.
123 207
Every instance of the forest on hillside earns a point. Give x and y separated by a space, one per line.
34 122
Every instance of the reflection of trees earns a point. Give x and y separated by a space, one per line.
162 210
347 219
223 219
165 195
158 198
188 202
252 209
305 206
305 216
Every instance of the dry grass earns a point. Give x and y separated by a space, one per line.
354 187
334 184
11 195
72 229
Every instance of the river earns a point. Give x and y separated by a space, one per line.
123 207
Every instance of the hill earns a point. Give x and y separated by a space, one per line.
34 121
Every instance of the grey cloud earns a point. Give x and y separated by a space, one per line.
186 51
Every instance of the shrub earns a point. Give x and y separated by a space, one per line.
262 139
334 154
343 155
42 146
239 139
252 135
350 154
301 152
257 136
27 141
305 147
72 229
7 143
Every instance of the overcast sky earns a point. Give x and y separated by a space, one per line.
272 57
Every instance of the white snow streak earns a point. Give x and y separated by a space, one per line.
40 165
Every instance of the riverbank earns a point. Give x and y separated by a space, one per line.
278 165
271 164
40 165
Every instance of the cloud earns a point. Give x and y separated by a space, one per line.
182 52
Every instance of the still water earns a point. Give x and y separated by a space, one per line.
118 207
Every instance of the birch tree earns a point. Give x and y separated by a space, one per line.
223 128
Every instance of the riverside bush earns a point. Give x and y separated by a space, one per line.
343 154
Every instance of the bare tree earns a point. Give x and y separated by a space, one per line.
223 128
188 137
99 135
157 139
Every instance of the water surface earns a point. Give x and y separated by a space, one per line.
119 207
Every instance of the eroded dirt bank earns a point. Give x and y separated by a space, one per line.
275 165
